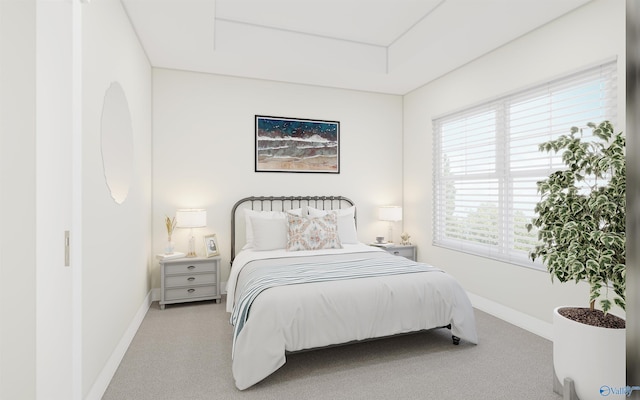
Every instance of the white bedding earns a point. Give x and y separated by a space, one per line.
310 315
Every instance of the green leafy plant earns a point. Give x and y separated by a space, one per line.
582 213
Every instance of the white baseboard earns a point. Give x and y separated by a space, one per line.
517 318
102 382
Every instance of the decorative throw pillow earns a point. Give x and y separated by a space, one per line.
346 222
309 233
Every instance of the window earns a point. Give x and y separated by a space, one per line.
487 162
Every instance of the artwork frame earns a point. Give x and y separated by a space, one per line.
300 145
211 247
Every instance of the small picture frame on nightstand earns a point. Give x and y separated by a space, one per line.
211 245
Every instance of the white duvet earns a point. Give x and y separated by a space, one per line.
304 316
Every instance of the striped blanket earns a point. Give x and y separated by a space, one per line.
261 279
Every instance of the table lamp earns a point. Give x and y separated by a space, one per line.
391 214
191 218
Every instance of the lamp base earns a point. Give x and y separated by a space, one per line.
192 247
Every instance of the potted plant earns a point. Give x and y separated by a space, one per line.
580 223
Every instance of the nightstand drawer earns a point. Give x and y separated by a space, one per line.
189 268
404 252
192 292
187 280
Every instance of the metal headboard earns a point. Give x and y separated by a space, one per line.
283 203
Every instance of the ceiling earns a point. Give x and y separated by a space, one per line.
385 46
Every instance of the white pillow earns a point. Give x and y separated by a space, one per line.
346 222
249 214
269 233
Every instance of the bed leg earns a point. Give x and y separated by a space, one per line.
456 340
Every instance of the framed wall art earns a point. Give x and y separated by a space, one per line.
211 245
296 145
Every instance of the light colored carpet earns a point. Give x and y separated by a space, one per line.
183 352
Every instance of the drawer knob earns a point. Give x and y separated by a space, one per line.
191 267
191 290
191 279
396 253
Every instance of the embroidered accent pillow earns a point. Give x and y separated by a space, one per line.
346 223
308 233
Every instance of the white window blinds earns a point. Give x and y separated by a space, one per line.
487 162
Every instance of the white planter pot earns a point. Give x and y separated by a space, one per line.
594 358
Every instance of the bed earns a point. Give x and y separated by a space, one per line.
302 280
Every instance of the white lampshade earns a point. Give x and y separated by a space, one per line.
390 213
191 218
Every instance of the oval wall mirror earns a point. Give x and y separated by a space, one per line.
117 142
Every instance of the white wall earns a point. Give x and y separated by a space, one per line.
203 150
591 34
17 199
116 244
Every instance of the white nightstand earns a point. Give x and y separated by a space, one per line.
189 279
408 251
